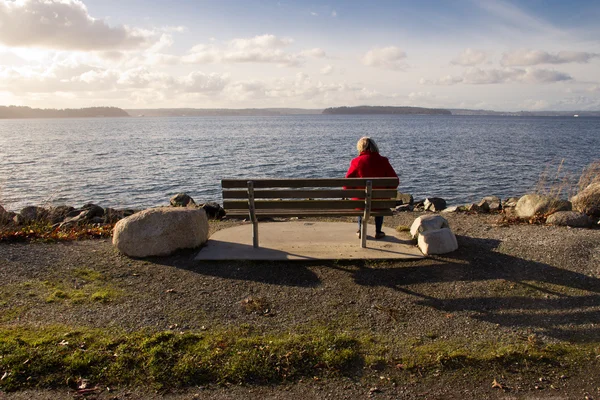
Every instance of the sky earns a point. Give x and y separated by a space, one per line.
497 55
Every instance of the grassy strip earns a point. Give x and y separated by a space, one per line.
43 232
60 357
55 357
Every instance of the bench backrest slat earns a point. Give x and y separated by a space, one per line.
302 183
307 204
308 193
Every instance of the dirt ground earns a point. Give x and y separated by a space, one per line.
505 283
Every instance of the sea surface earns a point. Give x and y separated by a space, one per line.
142 162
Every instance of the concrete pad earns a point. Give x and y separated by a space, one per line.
299 240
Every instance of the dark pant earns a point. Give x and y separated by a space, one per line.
378 223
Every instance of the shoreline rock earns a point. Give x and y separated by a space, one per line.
524 208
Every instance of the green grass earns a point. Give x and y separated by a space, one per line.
54 357
403 228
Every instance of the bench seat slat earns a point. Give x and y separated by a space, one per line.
306 213
307 204
308 194
302 183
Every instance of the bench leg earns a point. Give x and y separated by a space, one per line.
255 234
367 214
363 233
252 214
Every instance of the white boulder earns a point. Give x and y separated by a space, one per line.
439 241
535 204
160 231
588 200
427 223
569 218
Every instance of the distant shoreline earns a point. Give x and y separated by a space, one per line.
18 112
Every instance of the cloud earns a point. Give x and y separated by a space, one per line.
262 41
327 70
62 24
199 82
314 14
334 14
477 76
387 57
163 43
259 49
531 104
514 20
421 95
536 57
594 88
576 103
70 76
470 58
316 53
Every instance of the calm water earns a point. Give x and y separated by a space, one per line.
141 162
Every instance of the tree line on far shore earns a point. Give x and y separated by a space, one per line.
386 110
28 112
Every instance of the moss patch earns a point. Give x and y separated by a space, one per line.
52 357
55 357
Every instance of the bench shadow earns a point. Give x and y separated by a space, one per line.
284 273
555 302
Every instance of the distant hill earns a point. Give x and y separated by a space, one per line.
385 110
463 111
199 112
28 112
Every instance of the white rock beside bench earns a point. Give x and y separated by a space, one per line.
160 231
433 235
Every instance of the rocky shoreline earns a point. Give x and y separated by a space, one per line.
64 216
582 211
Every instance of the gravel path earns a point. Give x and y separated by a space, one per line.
504 283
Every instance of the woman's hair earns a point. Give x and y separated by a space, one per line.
365 143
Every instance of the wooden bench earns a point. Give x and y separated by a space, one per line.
256 198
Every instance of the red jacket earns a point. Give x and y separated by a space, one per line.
370 165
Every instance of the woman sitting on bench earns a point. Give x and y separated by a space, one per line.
370 164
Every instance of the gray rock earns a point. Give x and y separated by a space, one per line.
534 204
181 200
403 208
492 199
453 209
404 198
92 210
426 223
484 206
573 219
112 215
439 241
59 213
6 217
419 205
434 204
32 213
72 221
494 203
97 220
474 208
511 202
213 210
88 214
161 231
588 200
